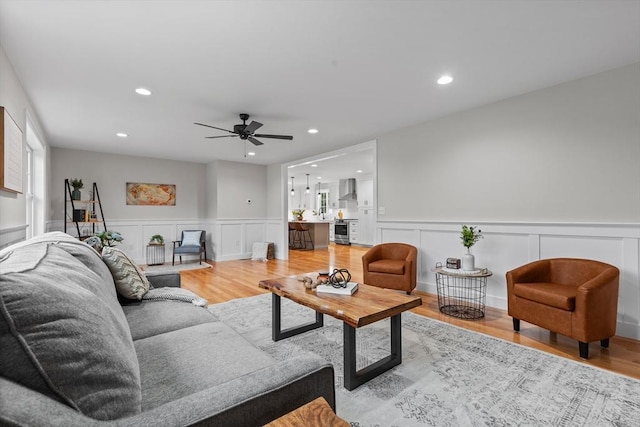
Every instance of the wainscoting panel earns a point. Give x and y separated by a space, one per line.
9 236
509 245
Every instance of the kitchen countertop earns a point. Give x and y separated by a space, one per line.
326 221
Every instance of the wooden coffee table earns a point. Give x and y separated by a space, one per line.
368 305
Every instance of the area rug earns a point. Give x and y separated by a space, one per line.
449 376
177 267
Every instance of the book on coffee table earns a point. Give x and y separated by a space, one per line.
329 289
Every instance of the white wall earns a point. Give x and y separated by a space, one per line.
136 223
567 153
12 205
236 224
552 173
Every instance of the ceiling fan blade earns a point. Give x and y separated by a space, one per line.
222 136
254 141
252 127
289 137
209 126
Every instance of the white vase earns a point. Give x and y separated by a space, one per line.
468 261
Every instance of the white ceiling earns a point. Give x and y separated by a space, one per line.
352 69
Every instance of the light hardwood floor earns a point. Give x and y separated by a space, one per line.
238 279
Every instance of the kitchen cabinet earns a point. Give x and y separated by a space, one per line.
332 231
366 226
365 194
354 232
333 196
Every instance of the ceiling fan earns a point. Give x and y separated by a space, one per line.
246 131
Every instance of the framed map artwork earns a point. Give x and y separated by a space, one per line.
151 194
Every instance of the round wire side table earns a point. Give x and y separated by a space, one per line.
462 294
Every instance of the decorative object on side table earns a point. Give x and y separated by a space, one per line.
77 186
469 237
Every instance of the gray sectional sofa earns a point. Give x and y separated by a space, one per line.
72 354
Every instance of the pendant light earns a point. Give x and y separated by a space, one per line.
293 192
307 183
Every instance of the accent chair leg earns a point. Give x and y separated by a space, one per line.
604 343
584 349
516 324
173 259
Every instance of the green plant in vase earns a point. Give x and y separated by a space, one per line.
77 185
156 239
469 237
297 213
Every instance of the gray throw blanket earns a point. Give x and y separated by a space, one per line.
174 294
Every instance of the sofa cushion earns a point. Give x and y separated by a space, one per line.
553 294
62 331
130 281
388 266
149 318
199 357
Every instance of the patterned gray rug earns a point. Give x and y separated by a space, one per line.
449 376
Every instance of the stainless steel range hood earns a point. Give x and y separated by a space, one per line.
347 189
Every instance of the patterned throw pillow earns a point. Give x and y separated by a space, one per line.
191 238
130 282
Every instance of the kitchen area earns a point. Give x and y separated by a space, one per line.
331 201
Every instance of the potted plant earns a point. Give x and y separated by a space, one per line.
297 213
156 239
77 185
469 237
109 238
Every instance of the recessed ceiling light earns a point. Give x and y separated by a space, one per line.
359 171
313 131
319 177
445 80
122 134
314 165
143 91
251 153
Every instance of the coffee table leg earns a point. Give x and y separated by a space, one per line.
277 333
354 378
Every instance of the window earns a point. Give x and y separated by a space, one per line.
35 191
29 192
324 201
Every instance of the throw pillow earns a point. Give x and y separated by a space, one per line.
130 282
62 340
190 238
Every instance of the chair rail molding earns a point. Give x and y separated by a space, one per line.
507 245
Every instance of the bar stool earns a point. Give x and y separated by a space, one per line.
303 236
292 236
